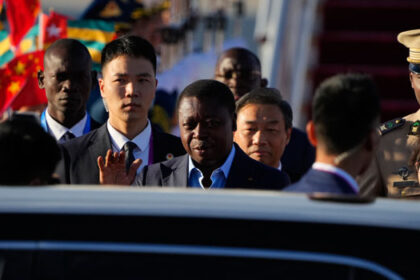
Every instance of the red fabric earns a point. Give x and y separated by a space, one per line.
19 83
21 16
52 28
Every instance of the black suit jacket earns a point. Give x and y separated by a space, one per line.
79 155
321 181
94 124
245 173
298 156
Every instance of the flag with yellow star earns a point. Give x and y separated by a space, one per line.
19 84
51 28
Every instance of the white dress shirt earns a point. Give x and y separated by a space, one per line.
142 140
57 130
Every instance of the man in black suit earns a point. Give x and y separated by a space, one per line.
127 86
67 79
345 115
240 70
206 110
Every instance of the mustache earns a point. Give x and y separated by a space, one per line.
200 144
68 97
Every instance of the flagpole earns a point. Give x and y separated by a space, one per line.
40 24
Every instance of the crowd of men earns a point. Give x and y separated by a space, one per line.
234 131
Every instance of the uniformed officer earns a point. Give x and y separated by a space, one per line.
390 173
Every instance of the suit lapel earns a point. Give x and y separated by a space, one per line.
177 174
240 174
98 146
158 143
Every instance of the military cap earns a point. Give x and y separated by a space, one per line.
411 39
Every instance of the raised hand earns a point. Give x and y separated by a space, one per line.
112 169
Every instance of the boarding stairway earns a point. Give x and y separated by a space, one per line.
361 36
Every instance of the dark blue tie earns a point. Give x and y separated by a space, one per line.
67 136
129 154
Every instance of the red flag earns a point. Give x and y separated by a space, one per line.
21 15
51 28
19 84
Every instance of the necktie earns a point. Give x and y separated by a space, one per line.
67 136
129 155
206 182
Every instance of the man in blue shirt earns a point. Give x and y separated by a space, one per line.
206 111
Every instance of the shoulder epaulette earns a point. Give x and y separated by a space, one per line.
391 125
414 128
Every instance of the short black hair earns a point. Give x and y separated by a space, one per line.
267 96
130 45
27 153
209 89
345 110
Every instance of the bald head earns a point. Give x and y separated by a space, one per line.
69 48
67 80
240 70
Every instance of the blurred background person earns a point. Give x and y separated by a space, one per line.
240 70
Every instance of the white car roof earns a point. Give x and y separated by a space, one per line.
227 204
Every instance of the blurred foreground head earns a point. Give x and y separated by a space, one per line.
29 155
345 114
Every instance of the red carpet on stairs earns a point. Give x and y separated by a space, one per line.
361 36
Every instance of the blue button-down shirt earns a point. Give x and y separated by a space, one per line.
218 176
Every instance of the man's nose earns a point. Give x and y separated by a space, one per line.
70 85
259 138
200 131
131 89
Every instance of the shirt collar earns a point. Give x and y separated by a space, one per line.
339 172
280 166
58 130
225 167
141 140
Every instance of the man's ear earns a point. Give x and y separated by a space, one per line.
264 82
289 135
310 130
101 86
40 75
